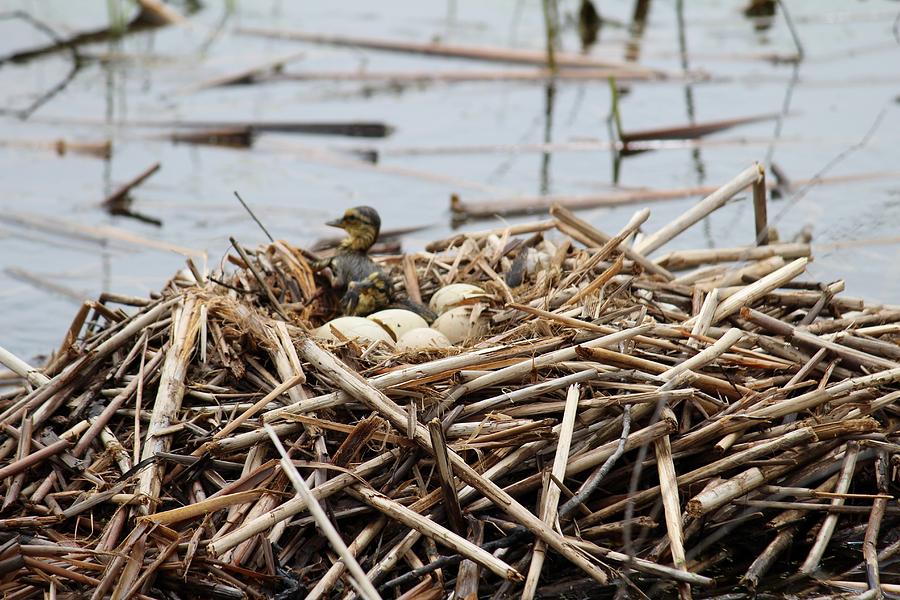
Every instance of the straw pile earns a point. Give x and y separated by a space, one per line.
697 424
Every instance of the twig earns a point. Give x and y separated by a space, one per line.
254 217
550 498
362 583
119 195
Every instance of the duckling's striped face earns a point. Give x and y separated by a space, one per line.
367 296
362 223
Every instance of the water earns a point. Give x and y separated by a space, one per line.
848 77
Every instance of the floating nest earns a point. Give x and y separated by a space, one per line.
701 424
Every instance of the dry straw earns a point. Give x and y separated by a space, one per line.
621 419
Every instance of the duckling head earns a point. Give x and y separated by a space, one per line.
362 224
367 296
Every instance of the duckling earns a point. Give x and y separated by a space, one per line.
370 295
351 262
365 286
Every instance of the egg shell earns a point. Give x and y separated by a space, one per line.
422 338
454 293
353 328
398 321
457 324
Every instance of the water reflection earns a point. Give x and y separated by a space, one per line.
614 128
506 118
549 102
762 12
589 23
699 168
696 158
632 54
636 30
109 113
21 57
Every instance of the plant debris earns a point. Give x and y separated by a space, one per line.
699 424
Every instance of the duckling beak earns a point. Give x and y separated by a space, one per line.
339 223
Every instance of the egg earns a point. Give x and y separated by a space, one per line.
186 275
457 324
492 244
398 321
353 328
536 261
422 338
452 294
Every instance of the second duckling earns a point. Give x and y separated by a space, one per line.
370 295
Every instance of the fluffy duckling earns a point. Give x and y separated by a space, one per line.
362 224
351 262
370 295
365 286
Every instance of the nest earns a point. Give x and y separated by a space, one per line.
702 424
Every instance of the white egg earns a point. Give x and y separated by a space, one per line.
548 247
398 321
353 328
536 261
452 294
457 324
492 244
186 275
422 338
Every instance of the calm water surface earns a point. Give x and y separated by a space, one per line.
849 76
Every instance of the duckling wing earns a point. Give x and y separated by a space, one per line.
352 266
